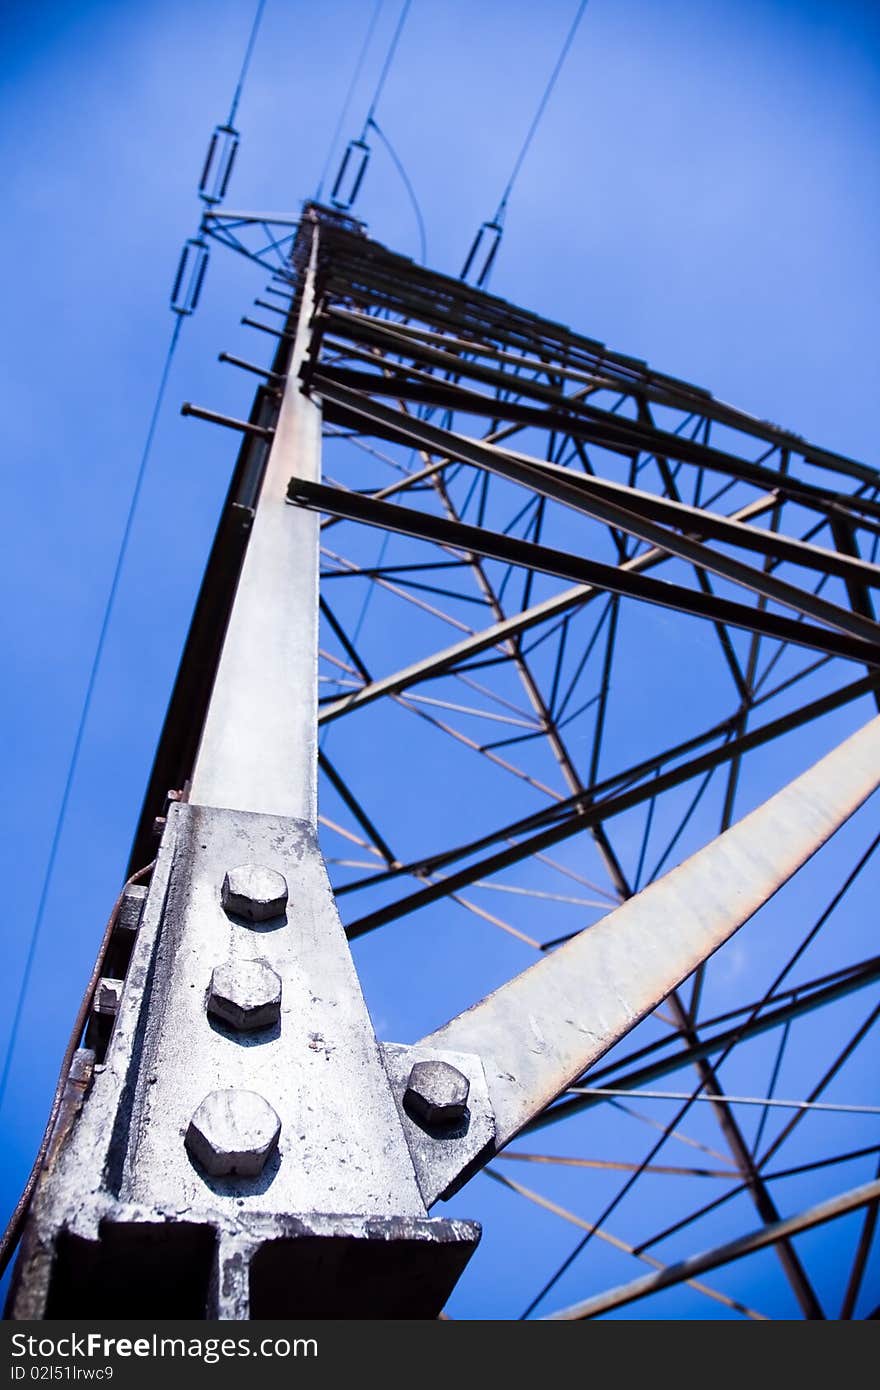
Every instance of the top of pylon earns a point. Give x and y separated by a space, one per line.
321 212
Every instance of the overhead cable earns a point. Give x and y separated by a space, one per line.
185 294
88 697
484 247
357 153
355 77
212 189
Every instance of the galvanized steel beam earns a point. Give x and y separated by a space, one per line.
258 746
620 1078
565 565
540 1031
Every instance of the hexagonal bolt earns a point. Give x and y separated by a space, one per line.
245 994
233 1132
437 1093
254 892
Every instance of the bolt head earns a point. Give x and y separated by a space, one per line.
254 892
233 1131
437 1093
245 994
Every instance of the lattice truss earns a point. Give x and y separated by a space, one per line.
578 616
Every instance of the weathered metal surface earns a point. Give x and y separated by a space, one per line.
436 1094
258 746
254 892
319 1068
145 1264
244 1097
130 909
233 1132
245 994
751 1025
76 1088
199 1139
187 708
107 997
540 1031
445 1155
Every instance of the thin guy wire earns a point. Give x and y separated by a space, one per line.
86 707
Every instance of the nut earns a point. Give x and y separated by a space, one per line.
246 994
254 892
233 1132
107 996
437 1093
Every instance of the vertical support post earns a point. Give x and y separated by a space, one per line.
244 1150
259 745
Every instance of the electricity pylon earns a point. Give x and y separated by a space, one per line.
565 534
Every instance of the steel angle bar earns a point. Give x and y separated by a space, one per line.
604 503
232 218
225 230
706 1047
389 282
258 747
347 394
649 385
564 565
214 418
856 585
580 812
449 657
686 1269
860 1261
695 521
544 1028
405 339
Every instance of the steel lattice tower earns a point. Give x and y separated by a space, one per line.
571 612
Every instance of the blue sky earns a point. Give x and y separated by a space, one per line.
703 193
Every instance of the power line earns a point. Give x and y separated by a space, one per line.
213 184
490 232
542 106
357 152
395 159
355 77
246 61
386 66
86 707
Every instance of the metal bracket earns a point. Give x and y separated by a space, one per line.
242 1130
